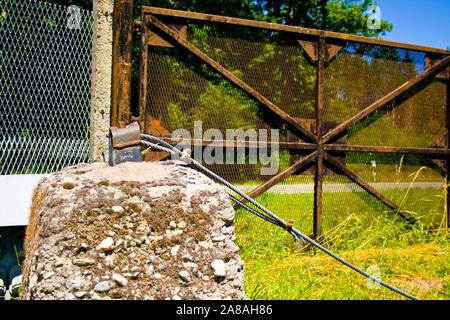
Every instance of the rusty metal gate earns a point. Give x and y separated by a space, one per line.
363 123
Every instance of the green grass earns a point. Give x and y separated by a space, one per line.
359 229
421 270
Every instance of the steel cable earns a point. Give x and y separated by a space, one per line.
272 217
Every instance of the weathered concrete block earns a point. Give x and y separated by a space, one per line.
150 230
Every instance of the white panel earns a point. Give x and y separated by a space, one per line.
15 198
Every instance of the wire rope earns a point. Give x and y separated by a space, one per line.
270 216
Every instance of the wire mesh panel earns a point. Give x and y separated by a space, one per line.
45 86
360 183
273 63
413 182
356 78
182 92
361 74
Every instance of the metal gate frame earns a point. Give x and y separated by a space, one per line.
321 46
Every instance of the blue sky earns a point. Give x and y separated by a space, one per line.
421 22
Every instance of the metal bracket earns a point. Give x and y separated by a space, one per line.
311 49
124 143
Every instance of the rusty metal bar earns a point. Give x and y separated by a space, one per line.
387 98
122 51
278 178
285 28
246 144
173 36
318 192
143 72
319 87
318 178
447 122
229 20
363 184
438 152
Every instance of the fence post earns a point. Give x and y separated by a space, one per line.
122 52
101 79
448 146
319 125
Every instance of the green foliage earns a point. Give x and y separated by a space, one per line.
342 16
85 4
347 16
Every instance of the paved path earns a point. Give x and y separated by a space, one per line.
341 187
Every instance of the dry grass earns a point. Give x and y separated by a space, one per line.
421 270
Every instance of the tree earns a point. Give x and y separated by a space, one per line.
85 4
347 16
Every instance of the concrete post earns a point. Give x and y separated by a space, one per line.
102 53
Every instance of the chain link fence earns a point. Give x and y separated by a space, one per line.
45 86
